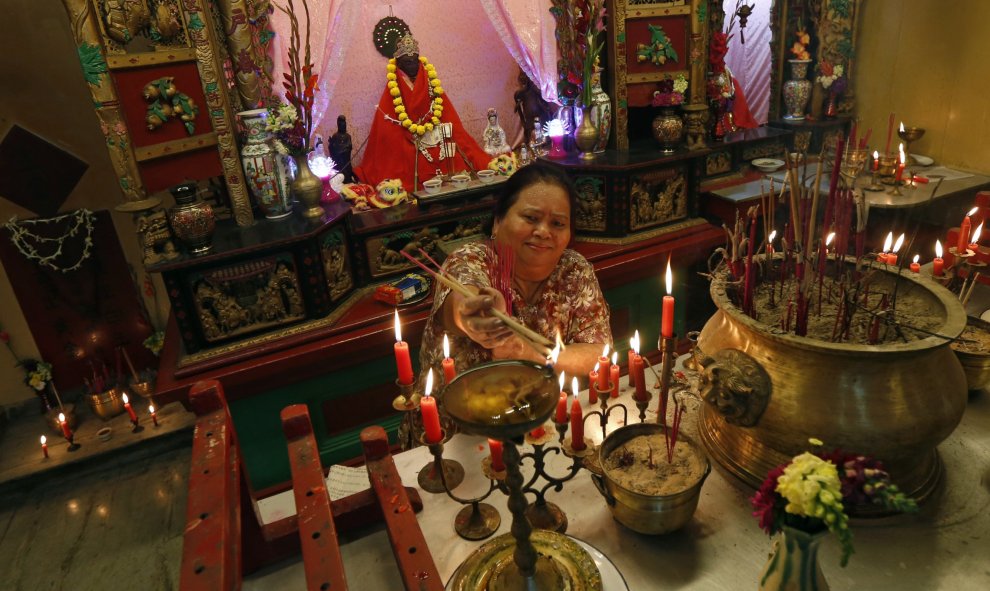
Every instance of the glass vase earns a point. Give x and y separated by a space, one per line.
793 563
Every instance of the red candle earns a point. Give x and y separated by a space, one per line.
130 411
44 446
900 167
603 373
915 267
887 243
447 363
66 431
614 371
892 255
577 421
154 416
561 415
402 360
428 410
538 432
964 229
938 265
667 318
495 449
639 377
592 384
876 161
974 244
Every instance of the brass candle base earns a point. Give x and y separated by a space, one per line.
547 516
477 521
439 475
874 185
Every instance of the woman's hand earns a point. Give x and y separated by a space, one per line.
473 316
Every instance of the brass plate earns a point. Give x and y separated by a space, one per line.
491 561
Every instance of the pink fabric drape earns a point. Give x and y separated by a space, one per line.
334 22
750 63
526 27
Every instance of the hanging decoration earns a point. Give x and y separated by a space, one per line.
387 33
25 240
167 102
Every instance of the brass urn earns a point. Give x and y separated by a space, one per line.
586 136
307 188
769 391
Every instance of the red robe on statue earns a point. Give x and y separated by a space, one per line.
390 152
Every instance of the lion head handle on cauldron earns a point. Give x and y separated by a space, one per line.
735 385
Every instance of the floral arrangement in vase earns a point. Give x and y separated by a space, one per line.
155 342
832 75
594 25
292 123
812 493
37 374
800 48
670 92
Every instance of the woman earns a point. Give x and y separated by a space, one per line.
553 289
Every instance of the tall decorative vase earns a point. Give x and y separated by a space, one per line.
668 129
307 188
793 563
264 169
586 135
797 90
601 113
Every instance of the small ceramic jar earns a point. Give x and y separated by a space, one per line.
192 221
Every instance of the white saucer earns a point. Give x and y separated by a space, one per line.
611 577
983 316
923 160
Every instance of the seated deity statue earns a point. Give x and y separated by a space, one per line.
416 130
495 135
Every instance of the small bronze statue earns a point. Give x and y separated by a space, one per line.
340 149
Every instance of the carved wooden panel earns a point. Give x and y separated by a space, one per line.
591 211
336 264
657 197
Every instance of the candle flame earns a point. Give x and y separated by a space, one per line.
557 348
876 155
901 128
61 417
887 242
670 278
398 327
615 358
574 387
151 409
828 239
605 350
429 383
561 380
916 258
976 234
124 398
972 211
938 249
598 365
772 236
446 347
900 241
634 343
44 440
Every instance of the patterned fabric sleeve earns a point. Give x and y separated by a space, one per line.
589 313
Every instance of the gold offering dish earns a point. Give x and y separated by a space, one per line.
502 399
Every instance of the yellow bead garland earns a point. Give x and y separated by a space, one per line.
434 88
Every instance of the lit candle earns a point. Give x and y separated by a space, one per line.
154 415
667 317
130 411
495 449
593 384
876 161
428 410
915 267
614 374
637 371
892 256
964 229
770 243
44 446
66 431
887 243
561 416
448 364
828 241
402 360
900 167
974 244
577 420
603 373
938 265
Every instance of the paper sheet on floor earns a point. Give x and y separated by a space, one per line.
343 481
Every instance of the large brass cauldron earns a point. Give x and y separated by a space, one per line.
769 392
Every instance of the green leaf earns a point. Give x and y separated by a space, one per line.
212 87
195 23
93 64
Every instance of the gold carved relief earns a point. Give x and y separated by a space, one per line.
591 203
657 198
385 252
718 162
764 150
336 265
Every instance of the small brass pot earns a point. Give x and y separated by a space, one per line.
976 365
143 389
647 514
106 404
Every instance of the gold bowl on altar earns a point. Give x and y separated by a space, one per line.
973 351
649 513
768 390
106 404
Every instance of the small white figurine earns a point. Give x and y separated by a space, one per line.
495 136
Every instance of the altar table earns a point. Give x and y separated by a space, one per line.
943 547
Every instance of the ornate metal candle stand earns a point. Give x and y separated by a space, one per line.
477 520
430 477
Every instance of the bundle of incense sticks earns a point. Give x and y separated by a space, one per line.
500 260
538 342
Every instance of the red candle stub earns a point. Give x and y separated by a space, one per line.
44 446
130 411
593 384
577 421
603 371
938 265
154 416
495 449
614 375
538 432
402 360
66 431
639 378
915 266
428 410
449 373
667 317
561 415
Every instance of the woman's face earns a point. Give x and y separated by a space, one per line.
537 227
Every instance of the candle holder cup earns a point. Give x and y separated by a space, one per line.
440 475
852 164
888 168
874 185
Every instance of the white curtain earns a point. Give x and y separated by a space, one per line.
750 63
526 27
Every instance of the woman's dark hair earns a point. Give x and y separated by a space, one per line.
533 174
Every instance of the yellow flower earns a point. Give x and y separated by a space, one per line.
420 129
393 84
435 120
438 100
403 117
437 113
428 127
407 123
435 83
422 60
391 61
397 101
400 109
804 37
391 67
394 92
390 76
438 90
432 75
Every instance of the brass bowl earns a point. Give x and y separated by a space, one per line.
975 364
647 514
106 404
911 134
487 399
69 409
894 401
143 389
